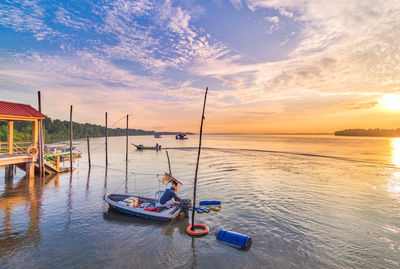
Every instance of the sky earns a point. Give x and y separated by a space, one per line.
270 66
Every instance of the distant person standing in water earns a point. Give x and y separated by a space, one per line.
169 197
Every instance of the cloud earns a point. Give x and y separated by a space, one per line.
83 69
69 19
175 19
237 3
285 13
274 20
92 85
343 47
284 42
275 23
258 113
367 105
341 55
337 24
25 17
155 36
165 38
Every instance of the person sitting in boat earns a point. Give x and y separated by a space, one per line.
169 197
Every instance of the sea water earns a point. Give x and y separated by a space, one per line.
306 201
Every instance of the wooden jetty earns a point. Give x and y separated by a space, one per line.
22 154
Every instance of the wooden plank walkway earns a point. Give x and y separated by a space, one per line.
15 159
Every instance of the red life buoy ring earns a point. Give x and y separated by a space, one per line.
202 226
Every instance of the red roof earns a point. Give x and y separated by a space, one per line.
14 109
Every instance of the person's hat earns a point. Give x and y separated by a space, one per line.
173 187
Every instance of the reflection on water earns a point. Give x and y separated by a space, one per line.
168 229
395 144
25 193
393 184
302 210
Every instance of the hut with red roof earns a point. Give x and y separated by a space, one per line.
22 154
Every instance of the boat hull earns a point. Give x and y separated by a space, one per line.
166 215
140 147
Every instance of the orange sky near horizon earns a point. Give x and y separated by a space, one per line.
230 120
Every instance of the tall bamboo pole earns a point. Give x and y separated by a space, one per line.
127 134
42 148
106 141
198 158
88 150
40 102
71 134
40 145
169 164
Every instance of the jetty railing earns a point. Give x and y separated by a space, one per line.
53 161
17 147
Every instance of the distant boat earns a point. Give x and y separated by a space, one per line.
157 135
181 136
141 206
140 147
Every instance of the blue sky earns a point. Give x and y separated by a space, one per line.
270 65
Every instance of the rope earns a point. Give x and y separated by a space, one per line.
159 181
123 171
130 173
134 179
119 187
97 147
120 119
173 220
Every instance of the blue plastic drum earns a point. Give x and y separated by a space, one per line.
236 240
210 203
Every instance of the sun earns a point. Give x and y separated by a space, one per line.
390 102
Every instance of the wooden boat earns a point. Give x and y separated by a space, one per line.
62 150
181 136
135 206
140 147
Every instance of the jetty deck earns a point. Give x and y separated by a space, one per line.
15 159
23 161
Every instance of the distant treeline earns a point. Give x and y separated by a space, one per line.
56 130
369 132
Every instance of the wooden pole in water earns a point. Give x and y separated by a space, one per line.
42 148
127 134
88 150
39 101
71 133
40 145
169 164
198 158
106 141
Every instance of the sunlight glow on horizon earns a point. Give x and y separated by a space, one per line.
390 102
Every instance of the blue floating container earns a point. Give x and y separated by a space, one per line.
206 210
210 203
236 240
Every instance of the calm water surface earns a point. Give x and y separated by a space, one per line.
307 202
